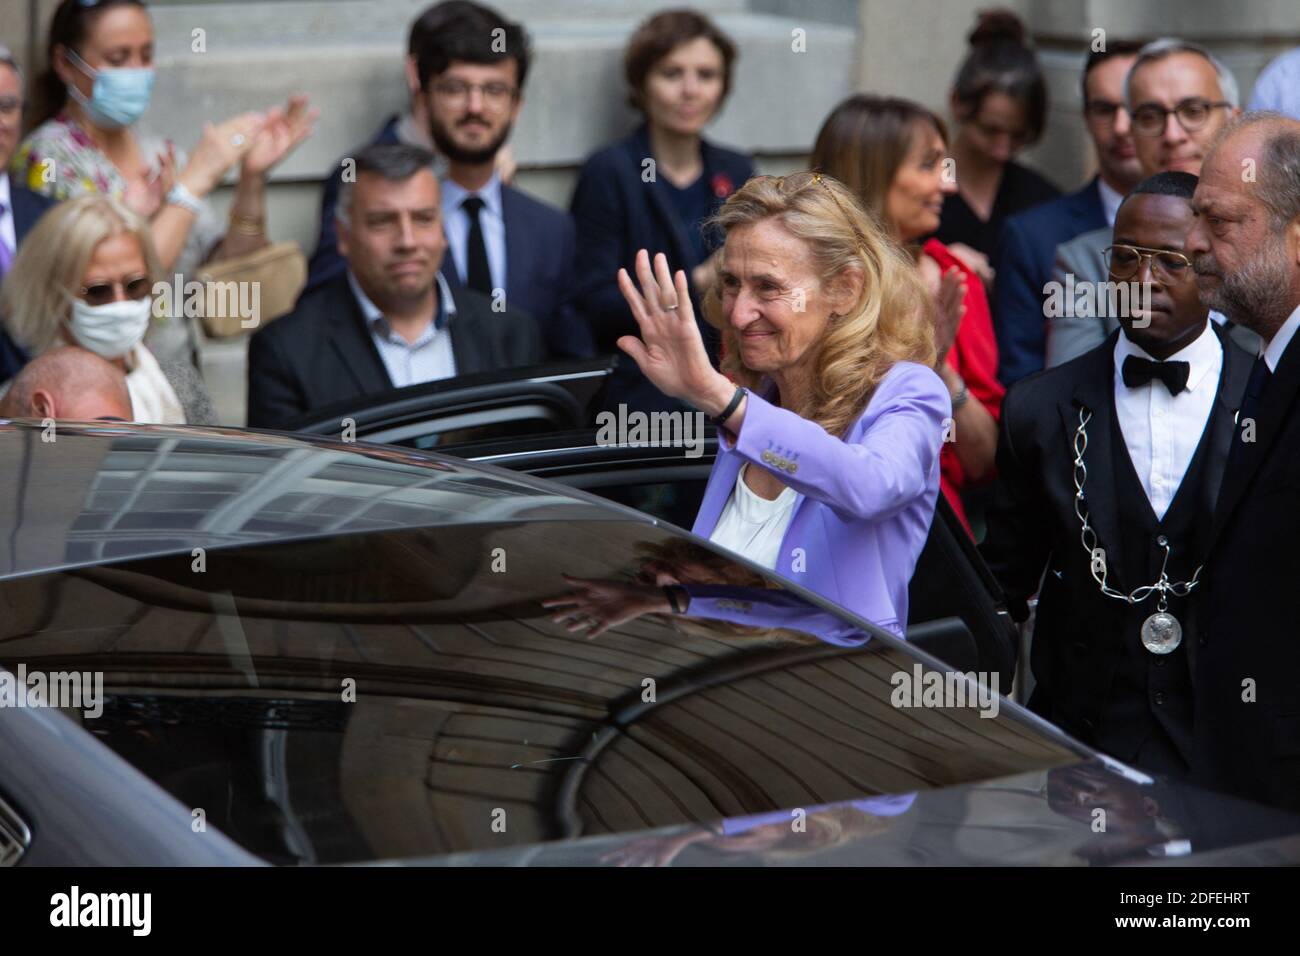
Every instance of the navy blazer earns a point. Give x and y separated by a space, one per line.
618 212
1024 261
28 207
540 244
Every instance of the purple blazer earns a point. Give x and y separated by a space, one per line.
864 503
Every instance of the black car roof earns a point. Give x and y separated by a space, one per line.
101 493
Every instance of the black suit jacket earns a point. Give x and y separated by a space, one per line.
1251 648
28 207
322 352
1079 633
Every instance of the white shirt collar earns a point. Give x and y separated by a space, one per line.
1110 200
1277 345
490 194
1200 354
371 311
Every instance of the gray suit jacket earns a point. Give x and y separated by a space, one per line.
1068 337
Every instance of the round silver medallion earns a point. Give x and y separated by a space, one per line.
1161 633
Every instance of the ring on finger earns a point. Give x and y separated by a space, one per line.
669 308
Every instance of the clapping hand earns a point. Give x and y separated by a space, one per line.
284 130
950 306
670 351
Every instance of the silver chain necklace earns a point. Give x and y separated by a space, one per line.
1161 632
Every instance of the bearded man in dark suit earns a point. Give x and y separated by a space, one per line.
1245 247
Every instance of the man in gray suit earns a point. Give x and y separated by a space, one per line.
1179 96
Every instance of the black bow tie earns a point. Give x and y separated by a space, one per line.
1139 371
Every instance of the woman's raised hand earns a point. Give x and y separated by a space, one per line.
219 148
284 130
950 306
670 351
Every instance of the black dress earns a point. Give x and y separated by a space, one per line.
1020 188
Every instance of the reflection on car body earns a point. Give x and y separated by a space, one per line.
337 653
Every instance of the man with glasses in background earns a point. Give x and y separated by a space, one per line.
1027 248
19 206
468 65
1179 96
1109 466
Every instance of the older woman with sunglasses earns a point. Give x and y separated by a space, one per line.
85 277
830 414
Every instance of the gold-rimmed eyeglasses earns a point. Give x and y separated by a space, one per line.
1124 262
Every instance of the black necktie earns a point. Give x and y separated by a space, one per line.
477 274
1260 376
1139 371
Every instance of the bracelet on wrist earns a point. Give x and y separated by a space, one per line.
180 195
721 418
247 225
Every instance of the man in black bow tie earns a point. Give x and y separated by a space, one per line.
1245 247
1108 470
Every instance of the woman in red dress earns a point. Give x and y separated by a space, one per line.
893 154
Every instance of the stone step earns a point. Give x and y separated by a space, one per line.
347 55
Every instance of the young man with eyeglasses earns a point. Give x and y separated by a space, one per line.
467 68
1029 239
19 206
1179 95
1109 466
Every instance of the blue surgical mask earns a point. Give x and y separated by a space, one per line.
119 97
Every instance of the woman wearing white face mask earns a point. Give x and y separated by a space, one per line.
85 277
99 83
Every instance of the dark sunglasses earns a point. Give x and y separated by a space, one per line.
102 293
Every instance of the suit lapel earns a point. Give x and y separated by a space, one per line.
469 345
1094 395
518 254
1278 399
1232 384
1089 213
352 342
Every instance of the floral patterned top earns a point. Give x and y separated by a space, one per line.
59 159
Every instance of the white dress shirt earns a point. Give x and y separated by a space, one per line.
1161 431
752 526
1273 351
429 357
456 222
8 231
1110 200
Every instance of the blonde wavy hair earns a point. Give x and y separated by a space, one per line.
890 322
38 290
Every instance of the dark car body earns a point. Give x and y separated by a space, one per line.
321 652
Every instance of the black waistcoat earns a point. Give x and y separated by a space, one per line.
1152 693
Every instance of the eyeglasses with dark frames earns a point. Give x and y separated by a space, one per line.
1193 113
